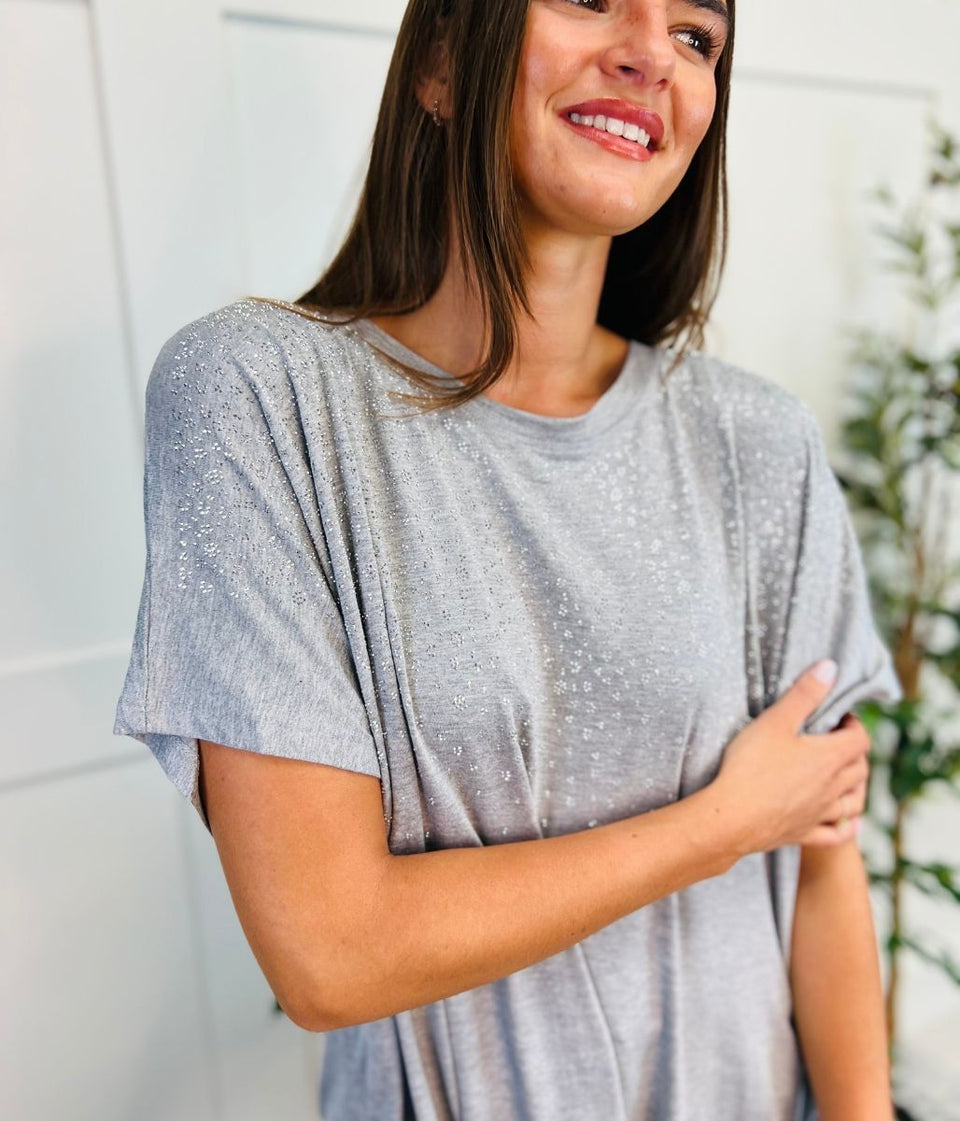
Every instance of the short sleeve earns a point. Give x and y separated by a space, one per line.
239 638
824 609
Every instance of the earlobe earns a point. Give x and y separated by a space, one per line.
432 95
433 90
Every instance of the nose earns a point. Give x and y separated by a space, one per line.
641 48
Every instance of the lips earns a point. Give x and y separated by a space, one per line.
620 110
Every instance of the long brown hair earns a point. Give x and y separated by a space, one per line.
661 279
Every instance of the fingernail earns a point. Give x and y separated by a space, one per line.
826 671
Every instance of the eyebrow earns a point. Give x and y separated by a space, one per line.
716 6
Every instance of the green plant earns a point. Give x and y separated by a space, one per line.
901 445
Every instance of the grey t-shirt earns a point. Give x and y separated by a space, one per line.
525 626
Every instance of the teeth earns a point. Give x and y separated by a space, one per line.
615 127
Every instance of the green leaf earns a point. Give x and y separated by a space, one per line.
863 435
934 879
908 773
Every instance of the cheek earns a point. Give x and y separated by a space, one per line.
698 113
527 80
548 64
539 77
534 70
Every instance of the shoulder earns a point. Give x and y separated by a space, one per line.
766 422
252 356
253 334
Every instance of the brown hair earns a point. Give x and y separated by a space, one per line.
661 279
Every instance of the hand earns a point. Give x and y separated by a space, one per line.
785 787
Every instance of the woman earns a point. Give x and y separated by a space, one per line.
500 709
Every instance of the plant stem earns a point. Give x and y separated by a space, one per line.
896 886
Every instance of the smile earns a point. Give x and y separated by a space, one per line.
614 127
613 134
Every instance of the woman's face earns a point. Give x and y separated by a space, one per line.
649 64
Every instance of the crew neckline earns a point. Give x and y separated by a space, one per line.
613 405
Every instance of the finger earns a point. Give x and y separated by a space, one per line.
851 776
838 810
854 800
831 836
850 804
804 696
850 740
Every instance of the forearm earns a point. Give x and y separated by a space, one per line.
837 987
454 919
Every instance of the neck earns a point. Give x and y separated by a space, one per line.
563 360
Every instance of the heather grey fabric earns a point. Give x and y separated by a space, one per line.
526 626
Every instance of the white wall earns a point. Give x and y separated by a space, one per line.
153 162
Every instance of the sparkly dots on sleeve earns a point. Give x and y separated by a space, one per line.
824 609
239 638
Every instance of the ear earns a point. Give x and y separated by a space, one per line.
435 83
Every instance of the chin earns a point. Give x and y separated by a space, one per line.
593 212
610 221
617 209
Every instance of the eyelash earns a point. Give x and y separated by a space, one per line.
711 44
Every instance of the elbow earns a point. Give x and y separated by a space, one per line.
311 1015
357 998
310 1002
324 1017
341 979
350 992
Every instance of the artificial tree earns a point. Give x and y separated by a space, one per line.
900 438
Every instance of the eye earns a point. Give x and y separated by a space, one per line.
703 40
590 5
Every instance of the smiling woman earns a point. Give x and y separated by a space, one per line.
498 709
459 189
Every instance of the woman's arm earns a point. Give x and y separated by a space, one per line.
345 932
837 987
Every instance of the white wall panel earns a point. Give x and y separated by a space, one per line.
69 488
890 45
303 124
58 717
802 265
166 102
372 15
102 1015
165 69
